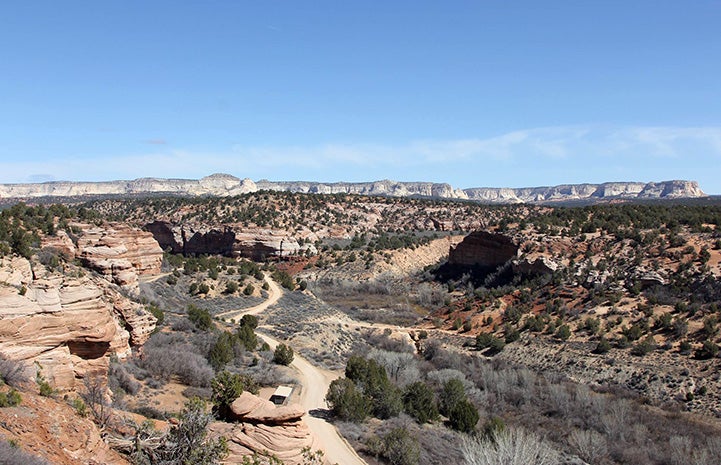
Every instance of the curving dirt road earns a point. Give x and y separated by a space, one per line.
274 293
314 383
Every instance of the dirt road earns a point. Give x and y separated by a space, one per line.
274 293
314 384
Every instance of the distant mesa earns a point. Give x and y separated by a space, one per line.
224 185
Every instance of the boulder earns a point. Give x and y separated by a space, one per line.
262 427
53 430
251 408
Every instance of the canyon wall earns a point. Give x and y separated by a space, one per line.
484 249
68 321
254 243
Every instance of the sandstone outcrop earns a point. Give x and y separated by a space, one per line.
483 249
251 408
120 253
537 265
227 185
254 243
69 325
262 427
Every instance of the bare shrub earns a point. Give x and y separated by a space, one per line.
270 374
615 420
95 397
589 445
11 454
511 446
401 367
685 452
118 376
200 392
438 378
167 355
559 399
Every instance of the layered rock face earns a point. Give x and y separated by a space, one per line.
263 427
483 249
70 325
255 243
120 253
590 192
227 185
385 188
217 184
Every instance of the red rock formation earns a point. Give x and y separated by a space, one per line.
120 253
253 243
484 249
263 427
70 325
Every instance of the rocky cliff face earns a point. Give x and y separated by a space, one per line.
385 187
69 324
253 243
590 192
483 249
120 253
227 185
217 184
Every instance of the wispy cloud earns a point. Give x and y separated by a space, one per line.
533 156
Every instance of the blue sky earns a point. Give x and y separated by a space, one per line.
474 93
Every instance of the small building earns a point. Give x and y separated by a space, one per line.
281 395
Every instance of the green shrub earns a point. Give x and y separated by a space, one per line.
157 312
684 347
602 347
226 388
708 350
452 393
283 355
45 389
563 332
347 402
200 317
487 340
643 347
463 416
10 398
231 287
419 402
80 407
400 448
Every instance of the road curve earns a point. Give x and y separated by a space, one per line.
274 293
314 383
